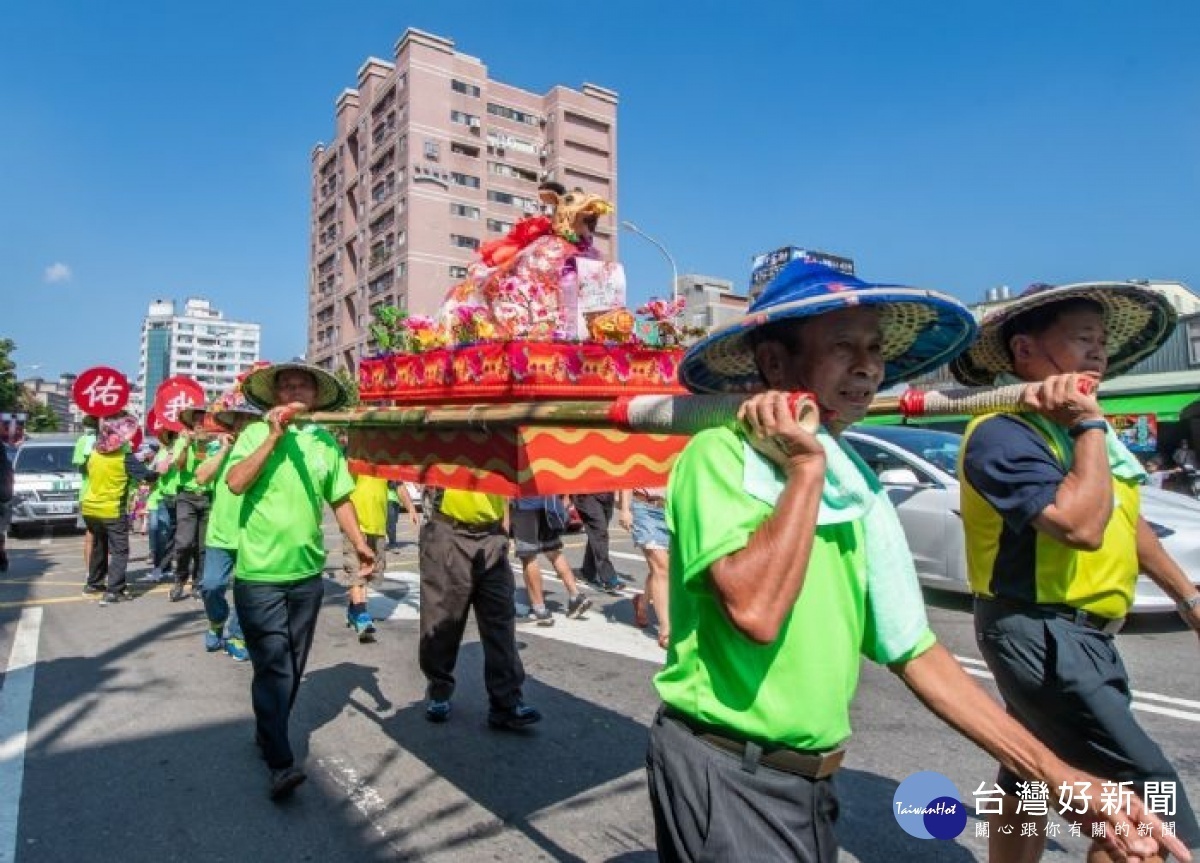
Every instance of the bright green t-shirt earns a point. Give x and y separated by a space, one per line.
222 531
84 445
168 483
197 453
370 504
279 523
392 497
796 691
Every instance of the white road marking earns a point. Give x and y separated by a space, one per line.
15 699
1136 705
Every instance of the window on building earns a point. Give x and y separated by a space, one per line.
463 118
499 226
458 272
471 182
513 114
463 87
432 151
464 211
502 170
464 242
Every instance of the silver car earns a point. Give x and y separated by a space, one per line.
918 468
45 483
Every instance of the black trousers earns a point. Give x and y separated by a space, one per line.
164 558
278 621
460 570
707 806
596 511
1067 684
393 516
192 510
110 552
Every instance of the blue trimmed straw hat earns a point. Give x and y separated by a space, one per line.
1137 320
259 386
922 329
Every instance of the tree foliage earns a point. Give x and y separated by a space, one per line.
10 390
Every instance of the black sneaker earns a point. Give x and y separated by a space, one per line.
90 590
614 587
285 781
437 710
113 598
519 716
578 605
542 618
176 594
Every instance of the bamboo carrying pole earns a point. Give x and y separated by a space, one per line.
682 415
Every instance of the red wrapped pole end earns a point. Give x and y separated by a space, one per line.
912 403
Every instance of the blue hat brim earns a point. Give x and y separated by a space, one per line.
922 330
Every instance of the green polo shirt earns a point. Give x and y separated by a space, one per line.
84 445
797 690
222 531
279 523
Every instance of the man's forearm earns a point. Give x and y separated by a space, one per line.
208 469
1154 560
758 585
347 520
244 474
937 679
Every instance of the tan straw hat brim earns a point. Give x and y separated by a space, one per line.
1137 321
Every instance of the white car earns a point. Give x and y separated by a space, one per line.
45 483
918 468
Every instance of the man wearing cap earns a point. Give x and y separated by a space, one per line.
1055 541
787 562
192 504
233 413
285 472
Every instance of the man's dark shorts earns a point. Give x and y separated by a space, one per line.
1066 683
533 533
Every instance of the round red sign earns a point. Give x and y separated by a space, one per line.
175 394
100 391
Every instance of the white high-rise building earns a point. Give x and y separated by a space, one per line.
199 343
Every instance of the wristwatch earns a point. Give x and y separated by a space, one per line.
1186 605
1085 426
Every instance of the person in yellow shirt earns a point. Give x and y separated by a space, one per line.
109 470
464 564
370 498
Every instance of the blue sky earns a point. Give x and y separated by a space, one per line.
162 149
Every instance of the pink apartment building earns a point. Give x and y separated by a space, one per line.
433 158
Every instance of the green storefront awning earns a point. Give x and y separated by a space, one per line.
1165 406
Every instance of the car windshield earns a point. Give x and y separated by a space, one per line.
936 447
45 459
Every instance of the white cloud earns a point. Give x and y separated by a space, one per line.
57 272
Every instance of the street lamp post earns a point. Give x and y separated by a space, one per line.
630 226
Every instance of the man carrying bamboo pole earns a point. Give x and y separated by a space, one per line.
787 562
1054 540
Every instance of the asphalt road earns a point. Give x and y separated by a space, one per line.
129 742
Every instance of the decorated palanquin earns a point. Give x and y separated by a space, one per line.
517 385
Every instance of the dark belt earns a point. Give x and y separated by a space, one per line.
811 765
467 526
1043 610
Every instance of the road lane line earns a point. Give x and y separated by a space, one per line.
1136 705
16 696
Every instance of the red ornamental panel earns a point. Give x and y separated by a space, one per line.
175 394
506 371
100 391
517 461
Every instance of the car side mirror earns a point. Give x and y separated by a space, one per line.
899 476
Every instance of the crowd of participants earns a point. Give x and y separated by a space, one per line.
787 564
